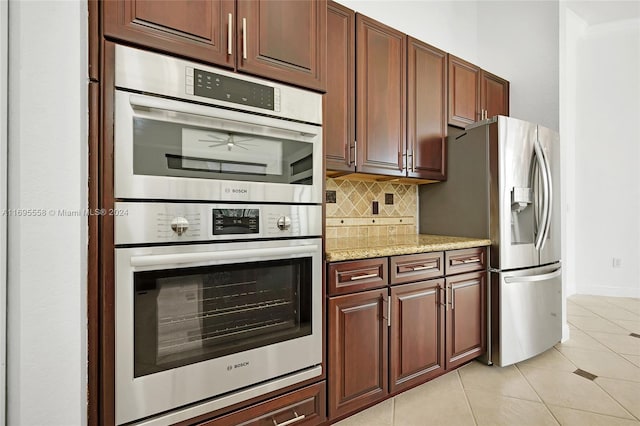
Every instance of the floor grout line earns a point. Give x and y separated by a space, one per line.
466 397
618 402
536 392
547 405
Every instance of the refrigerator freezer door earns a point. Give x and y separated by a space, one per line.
518 195
550 142
526 313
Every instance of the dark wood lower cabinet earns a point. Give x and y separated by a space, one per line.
417 333
385 341
466 318
358 348
306 406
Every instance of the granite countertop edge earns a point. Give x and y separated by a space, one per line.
360 248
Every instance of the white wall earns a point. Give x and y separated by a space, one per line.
47 255
572 29
518 40
515 40
607 155
447 25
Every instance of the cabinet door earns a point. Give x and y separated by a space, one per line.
427 111
464 92
357 343
194 29
417 333
284 40
466 318
494 95
339 101
381 95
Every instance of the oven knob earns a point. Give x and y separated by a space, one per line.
283 223
179 225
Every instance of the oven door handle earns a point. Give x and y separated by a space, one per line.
151 104
241 255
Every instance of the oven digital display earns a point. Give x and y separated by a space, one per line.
223 88
236 221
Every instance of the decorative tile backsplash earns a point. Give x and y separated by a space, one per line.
351 215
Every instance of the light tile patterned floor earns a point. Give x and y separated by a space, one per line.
605 342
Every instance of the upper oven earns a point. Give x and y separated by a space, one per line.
185 131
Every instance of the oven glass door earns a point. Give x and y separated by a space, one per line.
215 323
161 145
188 315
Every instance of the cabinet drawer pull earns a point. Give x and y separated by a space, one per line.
424 267
296 419
465 261
363 277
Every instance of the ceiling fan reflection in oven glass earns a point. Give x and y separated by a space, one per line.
223 152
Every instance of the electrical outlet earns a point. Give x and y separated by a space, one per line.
374 207
616 262
330 196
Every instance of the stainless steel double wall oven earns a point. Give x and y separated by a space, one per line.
218 256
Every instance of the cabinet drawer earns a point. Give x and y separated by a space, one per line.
356 275
466 260
306 406
416 267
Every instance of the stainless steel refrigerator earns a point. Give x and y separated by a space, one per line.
503 184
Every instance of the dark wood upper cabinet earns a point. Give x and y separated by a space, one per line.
427 106
196 29
339 101
417 333
381 85
283 39
464 92
466 318
357 350
494 95
280 40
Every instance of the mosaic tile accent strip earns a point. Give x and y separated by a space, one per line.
351 214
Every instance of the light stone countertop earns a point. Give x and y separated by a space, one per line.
338 249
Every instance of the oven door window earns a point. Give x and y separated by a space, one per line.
167 148
189 315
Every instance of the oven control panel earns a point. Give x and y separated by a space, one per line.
152 223
236 221
224 88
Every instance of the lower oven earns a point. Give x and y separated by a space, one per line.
213 306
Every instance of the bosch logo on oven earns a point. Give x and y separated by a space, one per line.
240 365
235 191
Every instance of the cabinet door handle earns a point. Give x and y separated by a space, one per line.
445 304
296 419
453 294
465 261
424 267
230 36
362 277
244 38
350 152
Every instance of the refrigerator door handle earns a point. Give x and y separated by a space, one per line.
545 195
534 278
549 193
